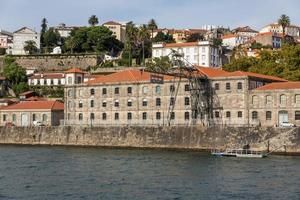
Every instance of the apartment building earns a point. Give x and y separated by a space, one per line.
118 29
291 30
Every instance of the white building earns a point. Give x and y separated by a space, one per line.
20 37
5 38
246 31
291 30
63 30
234 40
202 53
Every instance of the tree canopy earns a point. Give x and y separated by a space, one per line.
160 65
51 39
93 20
284 21
30 46
284 63
13 72
93 39
161 37
195 37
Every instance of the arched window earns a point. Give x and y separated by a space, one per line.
157 89
255 100
269 100
282 100
80 104
268 115
80 116
44 117
254 115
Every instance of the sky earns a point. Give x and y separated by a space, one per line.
15 14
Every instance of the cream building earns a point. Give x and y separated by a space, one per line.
118 29
202 53
291 30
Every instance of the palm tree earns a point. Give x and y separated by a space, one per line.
284 21
93 20
152 26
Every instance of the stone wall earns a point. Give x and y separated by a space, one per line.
195 138
55 62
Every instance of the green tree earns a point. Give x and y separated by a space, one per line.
161 37
195 37
43 30
152 26
160 65
20 88
93 20
30 46
51 39
13 72
284 21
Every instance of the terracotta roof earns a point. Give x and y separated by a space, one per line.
47 75
229 36
111 23
213 72
74 70
185 44
280 86
132 75
35 105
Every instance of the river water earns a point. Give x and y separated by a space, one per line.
38 173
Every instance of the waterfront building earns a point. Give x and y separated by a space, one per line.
20 37
133 97
24 113
202 53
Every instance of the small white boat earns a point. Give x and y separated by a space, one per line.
240 153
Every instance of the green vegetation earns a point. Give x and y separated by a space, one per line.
43 30
152 26
284 63
195 37
93 20
284 21
162 64
31 47
51 39
161 37
49 91
92 39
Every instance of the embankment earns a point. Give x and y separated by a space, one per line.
194 138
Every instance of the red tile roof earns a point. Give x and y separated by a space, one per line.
229 36
132 75
74 70
280 86
47 75
185 44
111 23
36 105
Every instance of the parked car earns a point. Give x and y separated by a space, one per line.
38 123
287 124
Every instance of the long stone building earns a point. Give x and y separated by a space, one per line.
138 97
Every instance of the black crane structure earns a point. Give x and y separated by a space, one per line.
199 87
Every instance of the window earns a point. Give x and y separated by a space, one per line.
33 117
44 117
104 104
69 80
117 103
92 116
255 100
297 98
51 82
172 115
129 90
186 87
186 116
70 93
59 82
157 89
14 117
117 90
297 115
217 114
239 86
129 116
228 114
92 91
145 90
172 88
158 115
79 79
104 116
240 114
80 93
186 101
144 116
4 118
269 100
283 100
117 116
80 117
228 86
92 103
254 115
80 104
129 103
145 102
217 86
172 101
269 115
104 91
158 101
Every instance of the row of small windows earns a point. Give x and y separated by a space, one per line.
44 81
254 115
129 90
129 102
34 118
158 116
269 99
228 86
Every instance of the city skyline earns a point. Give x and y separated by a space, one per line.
175 14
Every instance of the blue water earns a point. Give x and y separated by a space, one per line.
38 173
